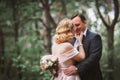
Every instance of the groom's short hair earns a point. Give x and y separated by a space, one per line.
80 15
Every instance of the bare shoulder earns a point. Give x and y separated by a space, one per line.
66 47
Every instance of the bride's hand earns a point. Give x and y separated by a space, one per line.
80 37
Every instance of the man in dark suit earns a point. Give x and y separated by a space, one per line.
89 69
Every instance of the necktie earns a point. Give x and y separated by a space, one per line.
83 38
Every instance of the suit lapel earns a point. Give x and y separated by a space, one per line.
73 41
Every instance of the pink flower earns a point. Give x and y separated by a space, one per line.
42 67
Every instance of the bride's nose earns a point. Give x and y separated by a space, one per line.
74 28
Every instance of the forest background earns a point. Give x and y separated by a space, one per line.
27 27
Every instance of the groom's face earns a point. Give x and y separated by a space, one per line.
79 25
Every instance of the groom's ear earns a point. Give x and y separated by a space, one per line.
85 22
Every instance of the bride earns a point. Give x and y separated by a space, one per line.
65 51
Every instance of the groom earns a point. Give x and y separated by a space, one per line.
89 69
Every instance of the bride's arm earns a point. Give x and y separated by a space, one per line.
81 55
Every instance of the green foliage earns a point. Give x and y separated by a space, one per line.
45 75
5 13
30 44
104 66
116 55
29 67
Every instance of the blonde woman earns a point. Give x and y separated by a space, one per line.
65 51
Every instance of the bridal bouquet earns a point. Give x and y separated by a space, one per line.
49 62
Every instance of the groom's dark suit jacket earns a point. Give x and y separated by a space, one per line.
89 69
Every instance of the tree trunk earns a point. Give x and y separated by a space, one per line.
110 34
16 34
49 24
110 39
1 52
47 37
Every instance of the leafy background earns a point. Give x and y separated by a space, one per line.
22 36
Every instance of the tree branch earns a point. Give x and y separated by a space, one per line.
116 7
52 2
41 3
42 22
104 22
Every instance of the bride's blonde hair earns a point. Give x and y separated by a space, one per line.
64 31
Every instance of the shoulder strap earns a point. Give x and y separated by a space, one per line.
68 55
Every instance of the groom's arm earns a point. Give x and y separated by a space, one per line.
95 51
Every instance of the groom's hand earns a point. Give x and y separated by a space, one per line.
70 70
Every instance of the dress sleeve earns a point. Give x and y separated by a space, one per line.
68 55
